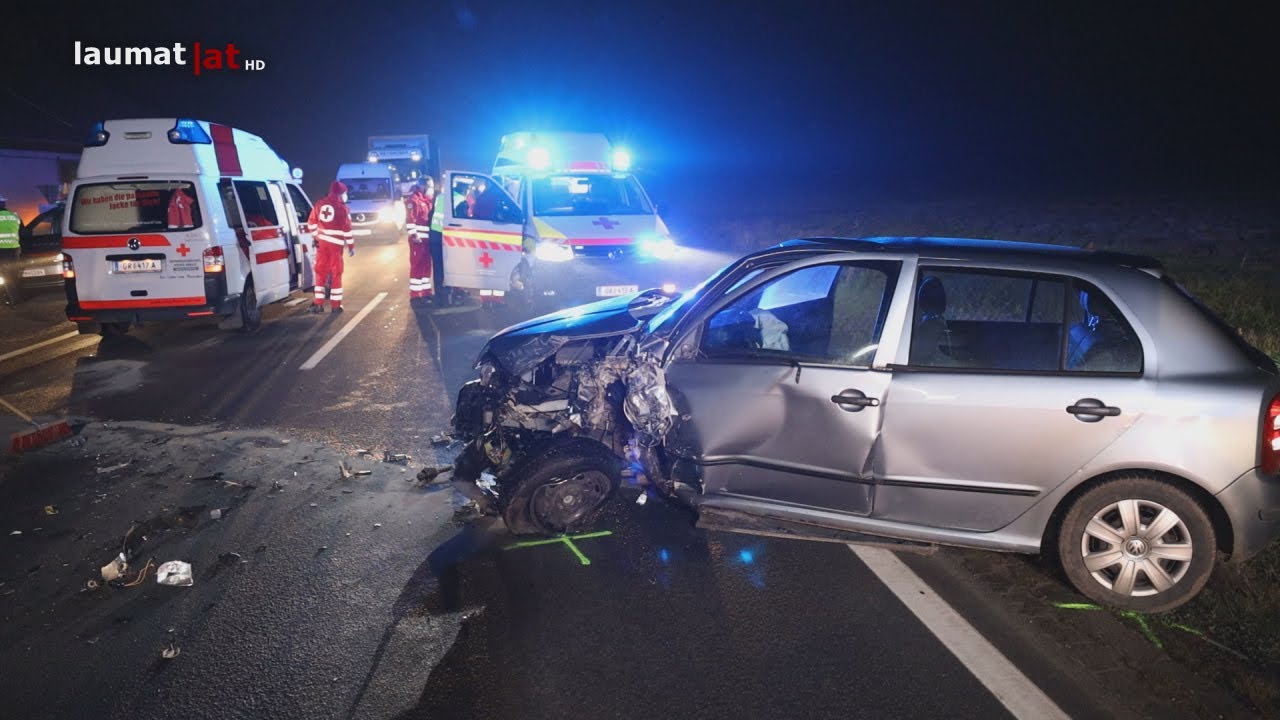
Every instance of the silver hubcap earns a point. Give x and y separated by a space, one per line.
1136 548
564 501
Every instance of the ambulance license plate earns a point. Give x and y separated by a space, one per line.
33 272
615 290
135 266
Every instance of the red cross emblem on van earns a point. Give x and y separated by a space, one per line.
605 223
183 250
486 260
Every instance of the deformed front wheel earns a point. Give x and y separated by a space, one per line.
1137 543
559 488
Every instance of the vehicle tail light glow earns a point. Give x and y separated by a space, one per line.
68 267
213 260
1271 438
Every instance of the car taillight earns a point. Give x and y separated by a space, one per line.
1271 438
213 260
68 268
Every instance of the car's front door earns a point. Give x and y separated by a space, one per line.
483 233
1012 383
780 400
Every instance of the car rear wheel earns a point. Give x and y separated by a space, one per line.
560 488
1137 543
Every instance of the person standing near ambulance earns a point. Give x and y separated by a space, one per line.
419 207
330 224
10 250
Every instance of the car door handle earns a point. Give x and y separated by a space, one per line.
454 225
1092 410
854 402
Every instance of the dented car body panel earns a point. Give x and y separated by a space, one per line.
925 390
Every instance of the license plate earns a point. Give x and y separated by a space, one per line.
135 266
615 290
33 272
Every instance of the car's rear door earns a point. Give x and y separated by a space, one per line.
782 405
1033 376
483 233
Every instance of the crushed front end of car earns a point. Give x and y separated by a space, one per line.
563 407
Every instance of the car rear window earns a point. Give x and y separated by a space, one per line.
132 207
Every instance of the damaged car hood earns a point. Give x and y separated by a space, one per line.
521 347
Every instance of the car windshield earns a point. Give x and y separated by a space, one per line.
367 188
672 313
589 194
143 206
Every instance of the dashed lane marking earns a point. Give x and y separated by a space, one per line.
328 347
37 346
1021 697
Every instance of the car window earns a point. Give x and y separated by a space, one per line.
1020 322
830 313
1099 339
479 197
133 207
255 200
301 205
43 224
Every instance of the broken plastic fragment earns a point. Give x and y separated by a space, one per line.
487 480
345 472
443 438
644 498
390 457
215 514
16 532
114 569
174 572
170 652
377 525
113 468
50 510
361 473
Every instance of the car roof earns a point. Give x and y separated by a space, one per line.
975 248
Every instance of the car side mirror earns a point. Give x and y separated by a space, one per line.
508 215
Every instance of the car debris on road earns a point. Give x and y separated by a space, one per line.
175 572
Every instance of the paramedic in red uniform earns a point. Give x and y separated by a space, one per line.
419 206
330 223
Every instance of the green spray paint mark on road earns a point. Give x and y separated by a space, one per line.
566 540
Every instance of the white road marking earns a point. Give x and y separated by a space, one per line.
296 301
37 346
328 347
1019 695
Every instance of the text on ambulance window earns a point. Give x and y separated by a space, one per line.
256 203
589 194
128 207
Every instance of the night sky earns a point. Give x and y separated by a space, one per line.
916 100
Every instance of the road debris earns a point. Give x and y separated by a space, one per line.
443 438
112 468
215 514
431 474
644 498
171 652
364 451
346 474
214 477
175 572
347 491
78 441
50 510
114 569
362 473
315 504
141 575
377 525
92 585
15 532
390 457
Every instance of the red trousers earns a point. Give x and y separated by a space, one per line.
328 272
420 282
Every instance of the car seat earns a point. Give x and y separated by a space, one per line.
930 335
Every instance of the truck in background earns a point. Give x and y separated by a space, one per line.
408 157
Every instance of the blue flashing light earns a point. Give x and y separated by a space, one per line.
98 135
189 132
664 555
539 158
621 160
746 556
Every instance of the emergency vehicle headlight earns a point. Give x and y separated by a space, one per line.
98 135
386 214
189 132
621 160
553 252
659 247
415 156
539 158
373 157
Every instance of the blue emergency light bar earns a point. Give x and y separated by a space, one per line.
189 132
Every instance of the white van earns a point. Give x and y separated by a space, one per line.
561 214
374 200
171 218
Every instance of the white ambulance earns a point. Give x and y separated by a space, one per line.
561 214
172 218
373 197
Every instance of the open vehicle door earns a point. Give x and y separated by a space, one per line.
262 238
483 233
300 207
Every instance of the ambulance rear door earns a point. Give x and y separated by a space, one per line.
300 206
137 243
483 233
261 235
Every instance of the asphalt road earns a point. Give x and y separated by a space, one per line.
317 595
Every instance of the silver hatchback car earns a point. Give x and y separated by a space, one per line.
903 391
